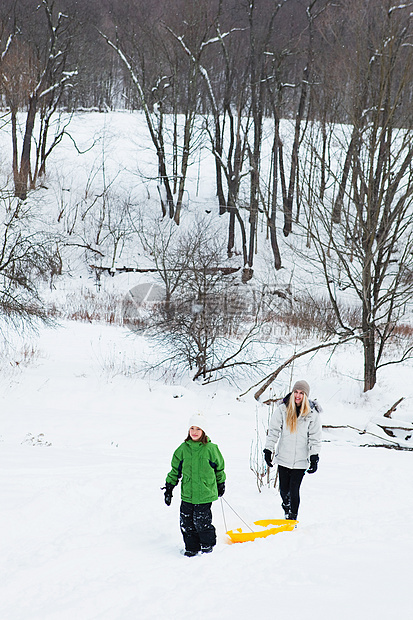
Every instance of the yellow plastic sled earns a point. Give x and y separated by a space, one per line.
279 525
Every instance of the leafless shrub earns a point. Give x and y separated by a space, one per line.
207 320
27 257
27 355
89 306
314 317
403 330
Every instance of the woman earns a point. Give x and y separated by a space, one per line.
200 464
296 426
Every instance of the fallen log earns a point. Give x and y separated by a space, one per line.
113 270
389 430
393 408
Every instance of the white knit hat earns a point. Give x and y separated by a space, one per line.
198 419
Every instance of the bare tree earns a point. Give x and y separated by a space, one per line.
368 252
164 243
260 37
27 255
238 110
35 78
168 94
206 323
230 122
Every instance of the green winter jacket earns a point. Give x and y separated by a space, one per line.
201 467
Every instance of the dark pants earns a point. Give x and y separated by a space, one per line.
290 481
196 526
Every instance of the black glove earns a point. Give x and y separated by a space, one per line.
168 493
221 488
314 458
267 457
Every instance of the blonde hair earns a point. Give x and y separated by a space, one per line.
291 418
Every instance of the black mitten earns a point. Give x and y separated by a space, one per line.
168 493
314 458
221 488
267 457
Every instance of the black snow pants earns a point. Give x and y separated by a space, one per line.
290 481
196 526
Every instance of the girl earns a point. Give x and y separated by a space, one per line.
296 425
201 466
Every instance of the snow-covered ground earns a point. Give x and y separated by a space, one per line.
85 448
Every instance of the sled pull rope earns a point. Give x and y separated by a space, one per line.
223 498
223 515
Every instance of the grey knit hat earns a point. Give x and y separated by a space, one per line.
302 386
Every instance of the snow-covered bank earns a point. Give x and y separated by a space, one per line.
85 532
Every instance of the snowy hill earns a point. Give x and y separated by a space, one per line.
87 434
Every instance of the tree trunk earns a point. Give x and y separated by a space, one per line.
20 189
15 149
369 358
184 165
339 201
253 211
218 165
231 232
272 219
367 321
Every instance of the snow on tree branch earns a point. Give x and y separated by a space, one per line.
67 76
399 7
202 69
6 49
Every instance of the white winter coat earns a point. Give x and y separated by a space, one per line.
294 449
